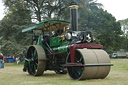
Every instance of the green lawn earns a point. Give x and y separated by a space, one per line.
12 74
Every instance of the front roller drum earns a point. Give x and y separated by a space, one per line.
92 57
36 64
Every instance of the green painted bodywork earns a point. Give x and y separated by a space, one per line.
55 41
63 47
40 41
57 44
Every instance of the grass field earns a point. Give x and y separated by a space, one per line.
12 74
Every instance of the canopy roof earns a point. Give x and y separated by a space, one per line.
48 25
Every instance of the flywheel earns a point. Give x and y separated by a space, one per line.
36 64
94 64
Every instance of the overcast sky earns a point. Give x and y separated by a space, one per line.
1 10
118 8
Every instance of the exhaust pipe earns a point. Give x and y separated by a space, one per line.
74 16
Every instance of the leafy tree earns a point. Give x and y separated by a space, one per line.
124 26
17 17
46 9
107 28
104 26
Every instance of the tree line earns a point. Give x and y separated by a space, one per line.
21 14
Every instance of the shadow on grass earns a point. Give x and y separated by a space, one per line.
48 75
53 75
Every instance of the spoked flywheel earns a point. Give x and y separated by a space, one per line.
36 64
94 64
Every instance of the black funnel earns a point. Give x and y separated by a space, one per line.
74 16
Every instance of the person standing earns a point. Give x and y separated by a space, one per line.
17 60
1 60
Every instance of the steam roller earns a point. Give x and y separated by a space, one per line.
91 64
59 46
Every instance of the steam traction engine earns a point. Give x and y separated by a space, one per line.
58 48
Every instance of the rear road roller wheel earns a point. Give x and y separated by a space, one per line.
36 64
89 56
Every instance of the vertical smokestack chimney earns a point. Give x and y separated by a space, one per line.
74 16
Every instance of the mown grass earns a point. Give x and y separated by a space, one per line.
12 74
13 64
